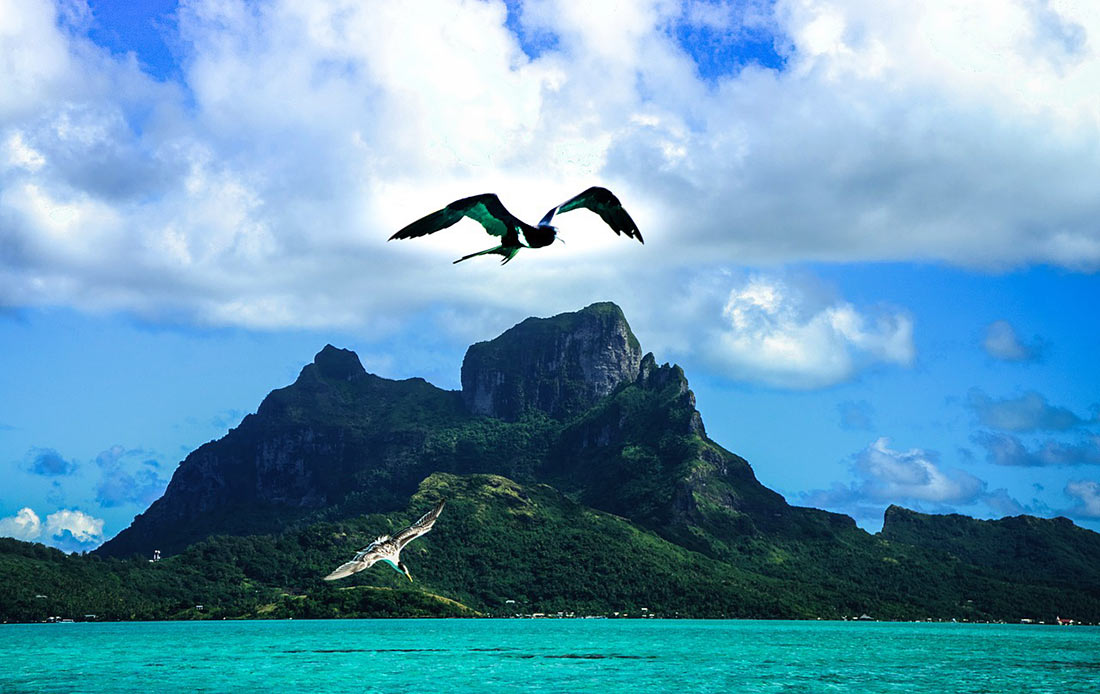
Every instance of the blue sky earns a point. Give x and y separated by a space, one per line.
870 228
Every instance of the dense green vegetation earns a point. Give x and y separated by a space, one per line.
499 541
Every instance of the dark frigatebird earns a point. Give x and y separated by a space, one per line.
487 210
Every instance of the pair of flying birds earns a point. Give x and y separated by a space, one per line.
487 210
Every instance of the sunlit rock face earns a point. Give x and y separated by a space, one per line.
559 366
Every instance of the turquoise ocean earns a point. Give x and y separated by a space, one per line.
459 656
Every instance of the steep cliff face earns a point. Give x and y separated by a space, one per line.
559 366
643 453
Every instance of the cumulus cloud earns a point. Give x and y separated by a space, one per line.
776 333
1002 342
127 476
1027 412
885 476
73 530
49 463
1009 450
258 188
1087 494
24 525
68 529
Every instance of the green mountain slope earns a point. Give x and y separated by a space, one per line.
502 548
1052 551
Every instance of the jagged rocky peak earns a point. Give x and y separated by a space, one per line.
659 377
654 377
337 364
559 365
329 366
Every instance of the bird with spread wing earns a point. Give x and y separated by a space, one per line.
487 210
388 549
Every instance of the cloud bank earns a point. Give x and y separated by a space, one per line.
777 334
258 189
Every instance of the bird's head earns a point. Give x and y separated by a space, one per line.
404 570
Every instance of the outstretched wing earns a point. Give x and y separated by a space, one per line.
485 209
364 559
604 203
419 527
361 561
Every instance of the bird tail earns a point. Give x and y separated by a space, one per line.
508 252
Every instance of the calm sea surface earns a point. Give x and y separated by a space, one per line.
458 656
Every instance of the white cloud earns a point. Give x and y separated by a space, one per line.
75 526
774 333
889 475
24 525
260 190
1087 494
19 154
914 477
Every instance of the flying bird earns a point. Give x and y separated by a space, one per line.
487 210
388 549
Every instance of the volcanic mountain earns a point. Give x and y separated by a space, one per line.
579 477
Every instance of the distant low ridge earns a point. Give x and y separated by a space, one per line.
579 478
